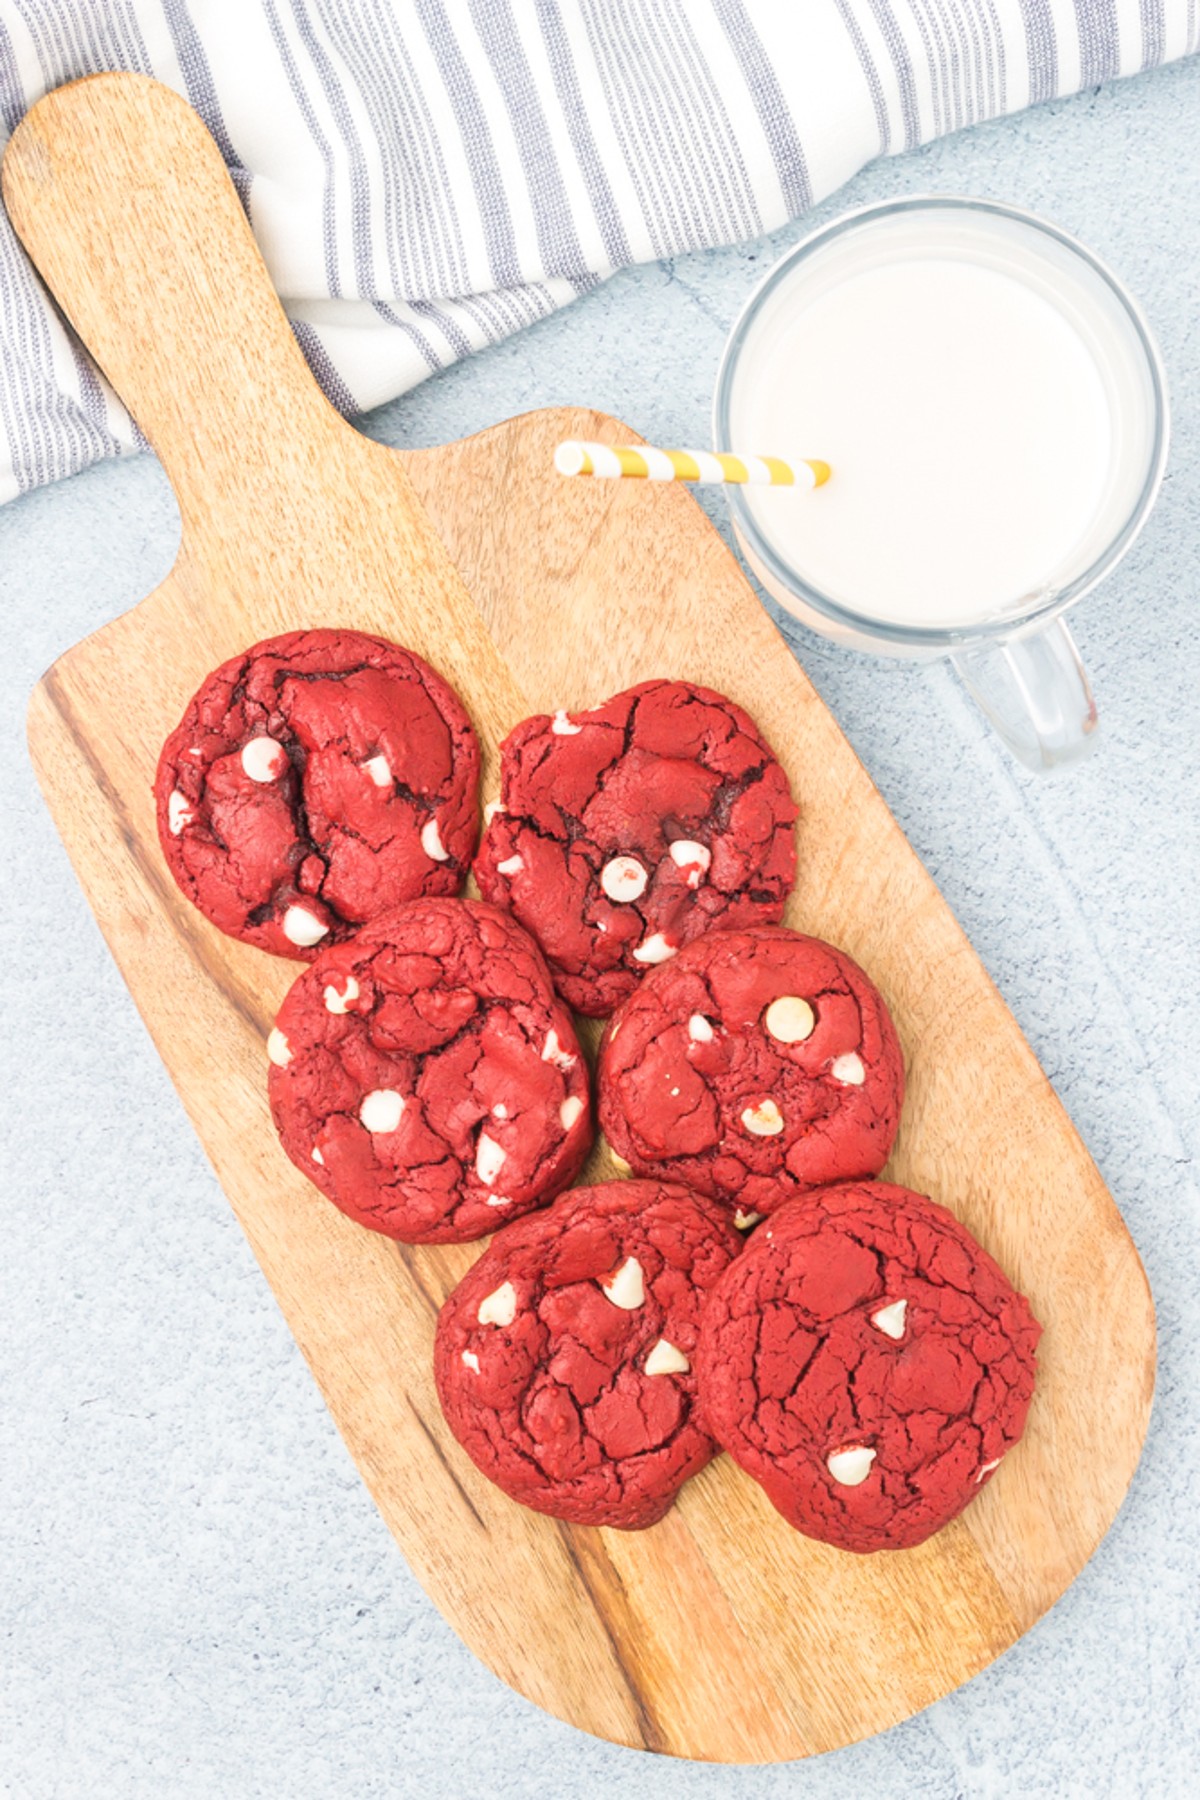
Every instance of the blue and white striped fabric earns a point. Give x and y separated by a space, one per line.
426 176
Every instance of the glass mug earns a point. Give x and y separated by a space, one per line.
952 408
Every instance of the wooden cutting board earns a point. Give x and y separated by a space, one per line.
719 1633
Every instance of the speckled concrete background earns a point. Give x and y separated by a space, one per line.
197 1597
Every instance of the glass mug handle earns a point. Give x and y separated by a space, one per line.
1036 692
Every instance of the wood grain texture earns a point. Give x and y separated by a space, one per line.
719 1633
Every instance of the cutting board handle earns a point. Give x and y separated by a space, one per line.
122 199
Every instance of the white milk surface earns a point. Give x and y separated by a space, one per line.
967 425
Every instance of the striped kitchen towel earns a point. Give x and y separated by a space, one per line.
426 176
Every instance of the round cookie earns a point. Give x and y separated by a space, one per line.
624 832
753 1066
426 1077
868 1363
314 781
564 1358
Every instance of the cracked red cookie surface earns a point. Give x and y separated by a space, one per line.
868 1363
564 1358
624 832
427 1078
314 781
753 1066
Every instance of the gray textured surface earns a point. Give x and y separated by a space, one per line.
197 1597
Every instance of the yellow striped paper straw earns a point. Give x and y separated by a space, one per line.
609 462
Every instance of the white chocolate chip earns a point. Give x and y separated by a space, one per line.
553 1052
302 928
499 1111
471 1360
379 769
570 1111
665 1359
341 1003
512 865
499 1200
987 1469
317 1157
623 879
789 1019
431 842
700 1030
490 1158
695 858
654 949
491 809
561 726
500 1307
763 1120
278 1048
744 1220
179 813
195 750
848 1070
890 1319
263 759
381 1110
627 1288
851 1467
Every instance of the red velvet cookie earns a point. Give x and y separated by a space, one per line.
625 832
563 1360
753 1066
426 1077
868 1363
315 781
